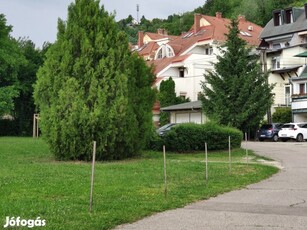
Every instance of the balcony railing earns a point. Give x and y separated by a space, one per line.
299 97
299 101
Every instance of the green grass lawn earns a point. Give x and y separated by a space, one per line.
33 184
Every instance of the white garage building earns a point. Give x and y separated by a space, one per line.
190 112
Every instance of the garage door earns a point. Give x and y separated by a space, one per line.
195 117
182 117
188 117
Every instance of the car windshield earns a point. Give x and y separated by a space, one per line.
164 127
266 126
288 126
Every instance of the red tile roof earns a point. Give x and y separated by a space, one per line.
161 64
157 36
148 48
215 31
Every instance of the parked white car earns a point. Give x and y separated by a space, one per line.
297 131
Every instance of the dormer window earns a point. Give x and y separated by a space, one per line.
276 45
170 52
288 16
277 15
164 51
160 54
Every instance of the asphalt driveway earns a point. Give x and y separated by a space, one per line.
276 203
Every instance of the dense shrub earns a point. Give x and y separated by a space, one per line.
282 115
192 137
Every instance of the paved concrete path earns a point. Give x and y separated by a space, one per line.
276 203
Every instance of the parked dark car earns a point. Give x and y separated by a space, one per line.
165 128
269 131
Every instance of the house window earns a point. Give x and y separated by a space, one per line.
303 88
160 54
209 51
277 18
288 16
276 62
287 95
164 51
170 52
181 71
276 46
183 95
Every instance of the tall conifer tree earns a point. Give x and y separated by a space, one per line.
88 87
236 93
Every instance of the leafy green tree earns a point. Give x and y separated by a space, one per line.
89 87
167 97
236 93
7 95
10 61
24 107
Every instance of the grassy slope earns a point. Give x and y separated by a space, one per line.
33 184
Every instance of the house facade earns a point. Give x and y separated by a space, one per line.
188 57
282 40
299 97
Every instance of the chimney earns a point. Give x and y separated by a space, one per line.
197 18
218 15
241 17
140 39
162 31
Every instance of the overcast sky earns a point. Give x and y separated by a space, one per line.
37 19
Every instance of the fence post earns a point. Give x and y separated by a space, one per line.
92 178
246 148
229 148
165 177
206 160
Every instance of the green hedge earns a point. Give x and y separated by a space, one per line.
192 137
8 127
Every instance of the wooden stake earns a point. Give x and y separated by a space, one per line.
92 179
37 123
165 177
34 125
246 148
229 146
206 160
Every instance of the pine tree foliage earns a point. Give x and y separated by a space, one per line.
90 88
237 93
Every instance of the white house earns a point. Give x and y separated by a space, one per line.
299 97
187 57
284 37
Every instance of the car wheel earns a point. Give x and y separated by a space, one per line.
261 139
299 138
284 139
275 138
